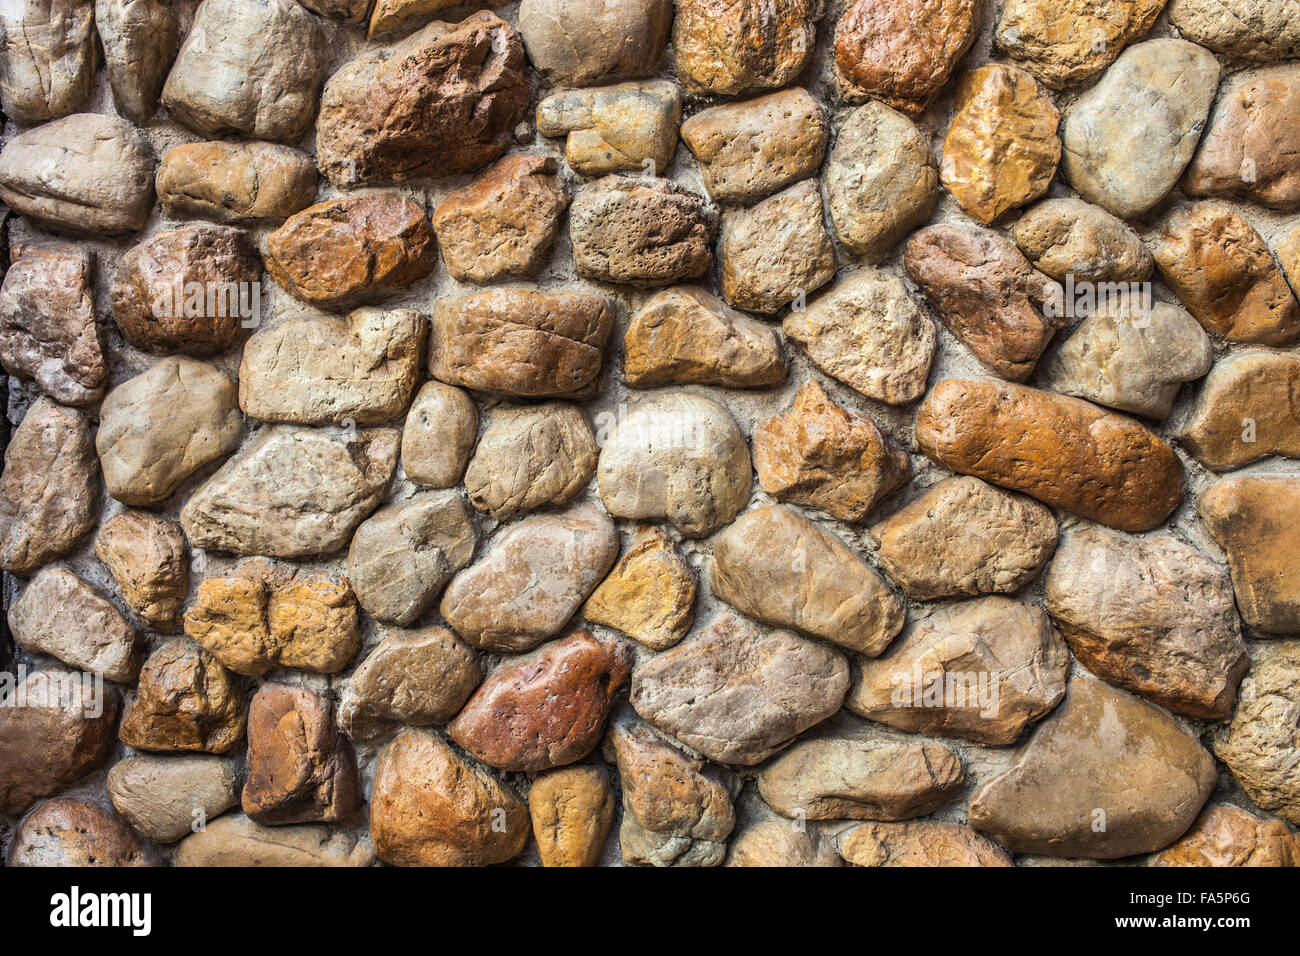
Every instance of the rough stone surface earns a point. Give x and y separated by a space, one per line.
1064 42
47 60
139 41
59 614
650 594
1249 407
1251 29
918 844
159 796
775 843
572 810
147 557
235 182
1225 835
185 701
438 435
389 18
724 48
628 126
531 456
1069 237
235 841
577 42
75 833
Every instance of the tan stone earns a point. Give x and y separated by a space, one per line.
391 18
185 701
1064 42
48 58
572 810
59 614
438 435
531 456
918 844
235 182
772 844
627 126
1069 237
168 798
577 42
236 841
1225 835
725 47
75 833
1254 30
650 594
146 555
1248 407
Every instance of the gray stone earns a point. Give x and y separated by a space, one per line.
167 798
531 456
1250 29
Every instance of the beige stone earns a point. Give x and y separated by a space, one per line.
572 810
59 614
147 557
439 435
650 594
628 126
531 456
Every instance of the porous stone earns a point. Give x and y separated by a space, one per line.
338 252
738 693
521 342
530 456
1250 29
75 833
248 66
1001 150
442 101
747 151
163 425
1225 835
402 556
235 182
167 798
185 701
48 330
777 251
59 614
48 58
146 555
676 456
1064 42
391 18
823 456
640 231
261 502
775 843
1249 407
627 126
1069 237
49 488
139 41
724 47
687 336
965 537
1105 776
438 435
234 840
922 843
650 594
577 42
532 579
1129 167
1063 451
987 294
869 333
518 203
88 173
431 808
572 810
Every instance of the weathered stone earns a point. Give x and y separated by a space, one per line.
1249 407
55 727
845 778
650 594
773 843
577 42
747 151
263 502
49 488
343 250
777 251
987 294
396 17
439 435
431 808
185 701
248 66
346 11
822 456
686 336
1063 42
236 841
146 555
235 182
869 333
738 693
918 844
188 290
1251 29
628 126
517 204
299 769
442 101
676 811
47 60
1063 451
70 832
676 456
401 556
1225 835
87 173
1001 150
1105 776
775 565
725 47
163 425
1253 520
139 40
572 810
531 580
881 181
640 231
1259 743
48 330
965 537
545 709
61 615
531 456
521 342
166 798
1220 269
361 369
902 53
1131 354
1129 167
1069 237
418 678
982 670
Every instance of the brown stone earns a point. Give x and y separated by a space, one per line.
59 614
71 832
146 555
234 840
398 17
1249 407
1069 237
1253 30
444 100
725 47
545 709
578 42
167 798
1258 743
1063 451
923 843
610 129
572 810
650 594
48 58
531 456
1225 835
185 701
775 843
431 808
1063 42
340 251
438 435
235 182
504 223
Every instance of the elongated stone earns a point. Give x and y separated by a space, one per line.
628 126
167 798
438 435
922 843
147 557
235 182
139 40
572 811
1251 29
235 840
1069 237
48 59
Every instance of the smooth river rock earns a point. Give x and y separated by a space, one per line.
1069 237
59 614
1248 408
233 840
1250 29
438 435
577 42
572 809
48 58
1064 42
167 798
139 39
